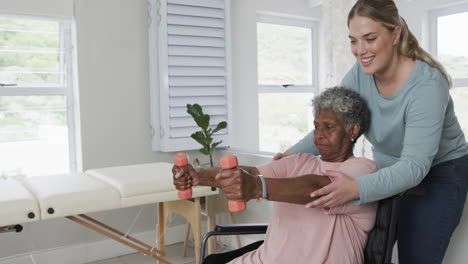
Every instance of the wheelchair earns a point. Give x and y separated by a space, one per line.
380 241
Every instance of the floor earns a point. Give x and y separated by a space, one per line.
173 254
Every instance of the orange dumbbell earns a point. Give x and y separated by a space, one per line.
230 162
181 160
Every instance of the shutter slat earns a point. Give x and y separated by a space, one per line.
203 101
197 91
189 122
211 110
203 3
181 132
195 51
173 9
195 41
196 61
196 81
195 31
195 21
196 71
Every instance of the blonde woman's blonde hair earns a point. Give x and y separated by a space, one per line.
386 12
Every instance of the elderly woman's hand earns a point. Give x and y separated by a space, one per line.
342 190
185 177
238 184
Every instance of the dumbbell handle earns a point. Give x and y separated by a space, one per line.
230 162
181 160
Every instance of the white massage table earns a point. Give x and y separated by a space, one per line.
76 194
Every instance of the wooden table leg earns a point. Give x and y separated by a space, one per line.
212 241
191 211
187 236
161 227
195 222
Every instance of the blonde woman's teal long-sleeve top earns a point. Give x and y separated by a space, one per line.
410 131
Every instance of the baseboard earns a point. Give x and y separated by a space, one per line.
93 251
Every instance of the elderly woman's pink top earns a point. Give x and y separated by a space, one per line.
301 235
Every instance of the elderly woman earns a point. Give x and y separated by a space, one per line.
297 234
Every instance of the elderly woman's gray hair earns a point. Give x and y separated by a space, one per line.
348 104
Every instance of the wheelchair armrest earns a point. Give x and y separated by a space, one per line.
235 229
232 229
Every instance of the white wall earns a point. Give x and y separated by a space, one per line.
48 8
112 48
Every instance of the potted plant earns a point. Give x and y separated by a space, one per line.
205 136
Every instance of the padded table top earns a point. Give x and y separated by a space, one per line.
96 190
17 204
144 183
71 194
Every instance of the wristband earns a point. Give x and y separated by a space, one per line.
264 188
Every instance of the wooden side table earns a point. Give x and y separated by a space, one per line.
192 210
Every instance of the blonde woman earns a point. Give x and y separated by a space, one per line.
416 138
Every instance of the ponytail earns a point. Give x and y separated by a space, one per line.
409 47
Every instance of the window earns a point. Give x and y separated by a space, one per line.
287 80
450 46
36 114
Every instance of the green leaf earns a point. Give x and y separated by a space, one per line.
194 110
203 122
200 138
204 137
209 132
209 140
220 126
214 145
205 151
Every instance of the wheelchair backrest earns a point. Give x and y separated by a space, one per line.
382 238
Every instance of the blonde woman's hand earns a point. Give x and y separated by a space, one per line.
342 190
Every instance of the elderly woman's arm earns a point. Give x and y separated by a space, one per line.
295 189
244 184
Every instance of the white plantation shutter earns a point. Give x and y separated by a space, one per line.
189 64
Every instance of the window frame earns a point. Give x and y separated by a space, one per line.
311 24
67 89
433 33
